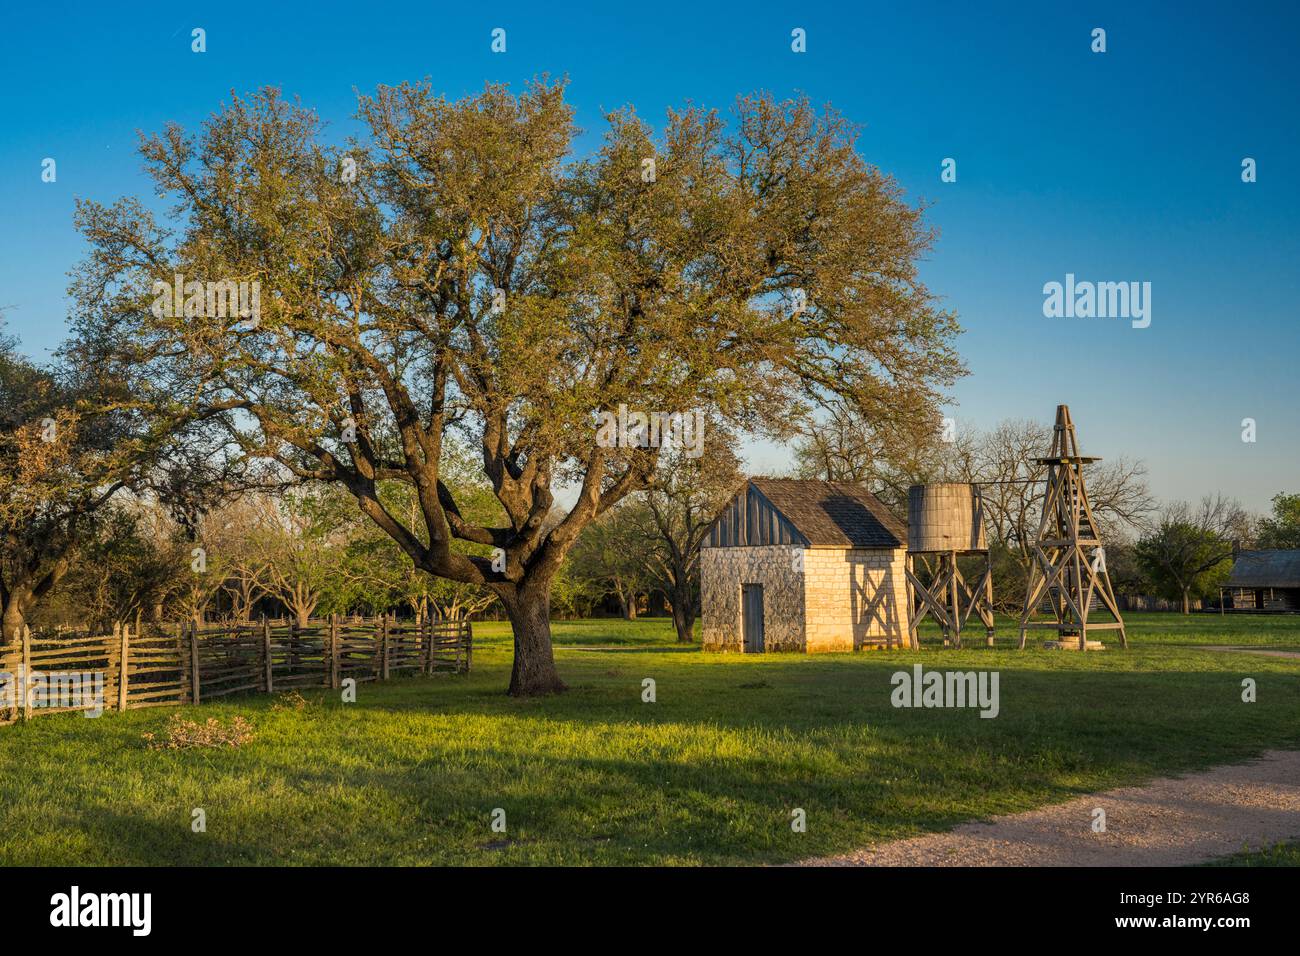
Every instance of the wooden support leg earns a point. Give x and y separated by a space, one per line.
987 615
913 617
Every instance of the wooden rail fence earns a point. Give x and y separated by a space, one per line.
195 663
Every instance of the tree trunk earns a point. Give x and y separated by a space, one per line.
1187 602
626 605
683 618
11 625
682 594
529 608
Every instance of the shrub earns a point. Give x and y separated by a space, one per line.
183 734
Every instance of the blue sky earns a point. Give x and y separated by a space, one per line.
1122 166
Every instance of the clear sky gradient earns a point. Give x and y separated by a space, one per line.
1122 166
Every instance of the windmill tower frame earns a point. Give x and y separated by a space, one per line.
1069 560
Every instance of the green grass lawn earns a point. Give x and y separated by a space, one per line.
411 773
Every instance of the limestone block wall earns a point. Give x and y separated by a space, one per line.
854 597
815 599
724 570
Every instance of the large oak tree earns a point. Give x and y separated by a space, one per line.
458 269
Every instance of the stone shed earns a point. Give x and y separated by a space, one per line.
795 565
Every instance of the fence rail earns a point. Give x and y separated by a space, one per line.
123 671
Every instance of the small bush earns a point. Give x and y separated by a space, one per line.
290 700
183 734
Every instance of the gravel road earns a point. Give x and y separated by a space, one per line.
1169 822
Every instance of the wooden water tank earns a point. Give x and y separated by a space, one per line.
945 517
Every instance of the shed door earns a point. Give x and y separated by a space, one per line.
752 613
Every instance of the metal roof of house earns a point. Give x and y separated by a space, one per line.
1266 569
834 513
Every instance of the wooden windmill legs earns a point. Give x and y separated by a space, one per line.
1068 560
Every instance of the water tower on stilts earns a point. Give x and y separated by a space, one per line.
945 521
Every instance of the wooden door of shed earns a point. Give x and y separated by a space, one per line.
752 617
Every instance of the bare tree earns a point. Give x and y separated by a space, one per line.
839 444
681 505
1004 463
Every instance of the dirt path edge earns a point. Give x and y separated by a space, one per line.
1173 821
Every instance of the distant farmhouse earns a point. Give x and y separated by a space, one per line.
793 565
1264 581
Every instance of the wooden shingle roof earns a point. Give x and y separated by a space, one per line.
834 513
1266 569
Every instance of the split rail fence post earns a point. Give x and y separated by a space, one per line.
196 695
27 672
266 651
422 642
180 657
123 662
334 651
383 646
469 643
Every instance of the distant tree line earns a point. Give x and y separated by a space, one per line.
202 539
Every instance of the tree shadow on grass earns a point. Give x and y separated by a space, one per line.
709 773
597 809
